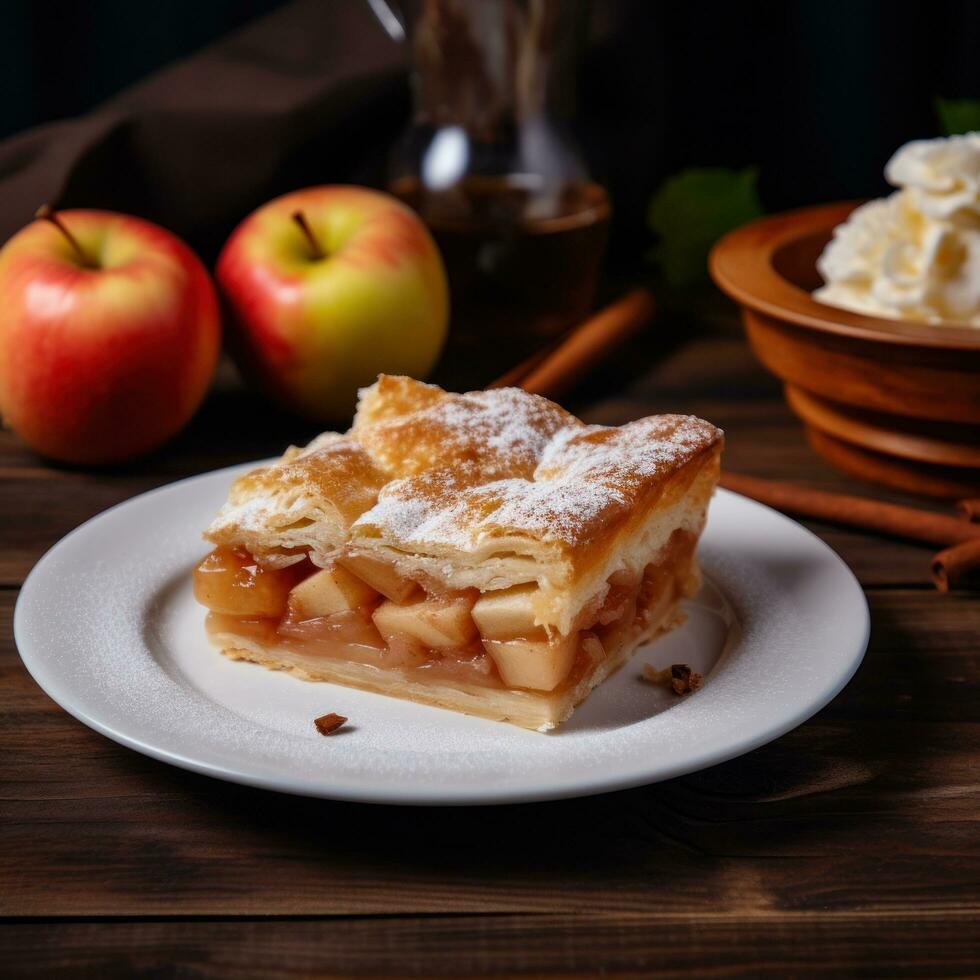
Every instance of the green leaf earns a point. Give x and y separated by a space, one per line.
692 210
958 116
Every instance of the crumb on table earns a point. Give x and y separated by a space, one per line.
328 724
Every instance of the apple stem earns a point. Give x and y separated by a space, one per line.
47 213
304 226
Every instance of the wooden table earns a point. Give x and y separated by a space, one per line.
849 846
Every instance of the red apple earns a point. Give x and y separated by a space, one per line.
109 334
326 288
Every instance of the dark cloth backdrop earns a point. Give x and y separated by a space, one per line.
287 101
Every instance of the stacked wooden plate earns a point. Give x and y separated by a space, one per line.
896 402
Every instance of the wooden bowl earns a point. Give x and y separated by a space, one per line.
896 402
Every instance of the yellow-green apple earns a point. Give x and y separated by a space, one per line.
326 288
109 334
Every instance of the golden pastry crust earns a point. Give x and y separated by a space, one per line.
306 502
392 396
411 428
488 489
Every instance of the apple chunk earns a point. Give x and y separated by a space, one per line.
331 590
437 624
538 664
381 577
506 614
235 584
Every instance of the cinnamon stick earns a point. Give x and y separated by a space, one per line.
969 509
859 512
957 566
559 369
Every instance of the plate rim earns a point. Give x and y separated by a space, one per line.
59 692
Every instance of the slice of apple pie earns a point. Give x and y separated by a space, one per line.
487 552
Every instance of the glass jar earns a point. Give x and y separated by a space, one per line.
490 165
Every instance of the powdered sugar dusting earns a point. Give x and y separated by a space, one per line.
507 422
463 517
434 471
503 431
583 479
555 510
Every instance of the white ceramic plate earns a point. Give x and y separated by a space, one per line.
107 625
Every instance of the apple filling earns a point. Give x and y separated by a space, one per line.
362 611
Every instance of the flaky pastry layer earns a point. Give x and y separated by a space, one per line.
489 490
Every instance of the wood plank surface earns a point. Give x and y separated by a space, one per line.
849 846
515 945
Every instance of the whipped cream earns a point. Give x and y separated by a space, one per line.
916 253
